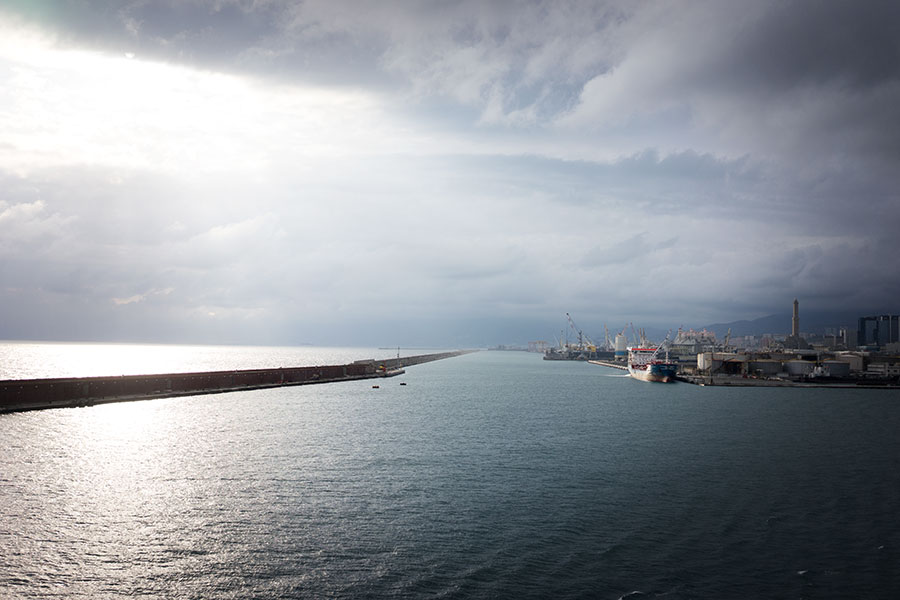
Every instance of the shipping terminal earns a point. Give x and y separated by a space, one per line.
794 360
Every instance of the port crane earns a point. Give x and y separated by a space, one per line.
661 345
590 346
639 338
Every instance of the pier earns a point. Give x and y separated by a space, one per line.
741 381
36 394
611 365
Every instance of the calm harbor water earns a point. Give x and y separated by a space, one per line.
494 475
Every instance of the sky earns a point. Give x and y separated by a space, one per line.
451 174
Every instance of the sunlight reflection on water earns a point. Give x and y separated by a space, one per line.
33 360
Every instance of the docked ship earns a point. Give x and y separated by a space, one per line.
576 353
645 364
584 349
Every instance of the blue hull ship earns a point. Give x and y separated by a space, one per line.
643 364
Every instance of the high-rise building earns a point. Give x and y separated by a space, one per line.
879 330
849 337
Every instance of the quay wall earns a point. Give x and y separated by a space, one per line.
742 381
36 394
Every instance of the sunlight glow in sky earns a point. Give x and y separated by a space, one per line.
223 171
80 107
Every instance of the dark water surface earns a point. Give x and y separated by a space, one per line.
494 474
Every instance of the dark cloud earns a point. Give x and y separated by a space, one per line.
269 39
796 44
839 62
541 51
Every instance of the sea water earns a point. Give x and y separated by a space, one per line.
489 475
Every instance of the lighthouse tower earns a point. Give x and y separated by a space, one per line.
794 340
795 321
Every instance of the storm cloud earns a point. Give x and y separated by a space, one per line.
447 173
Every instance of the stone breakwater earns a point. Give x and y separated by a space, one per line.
36 394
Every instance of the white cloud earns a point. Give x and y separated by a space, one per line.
142 297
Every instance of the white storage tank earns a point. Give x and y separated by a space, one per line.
799 367
621 346
855 360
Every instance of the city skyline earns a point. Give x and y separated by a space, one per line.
455 174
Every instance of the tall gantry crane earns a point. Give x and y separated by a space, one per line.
584 342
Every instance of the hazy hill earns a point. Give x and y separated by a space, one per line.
810 322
